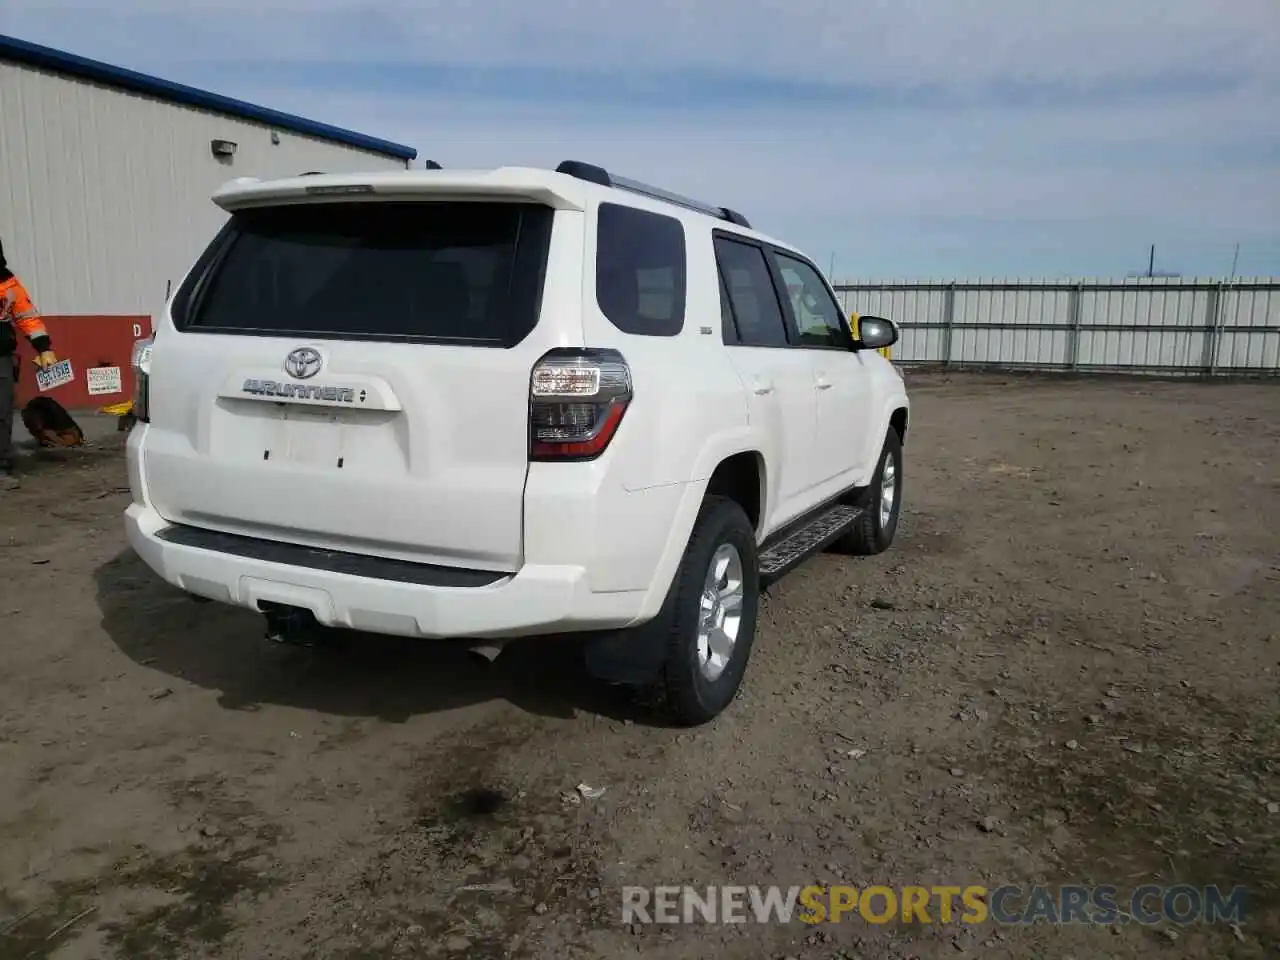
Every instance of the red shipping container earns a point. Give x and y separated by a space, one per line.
104 344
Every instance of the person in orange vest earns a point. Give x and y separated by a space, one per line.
18 315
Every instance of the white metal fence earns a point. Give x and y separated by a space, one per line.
1161 326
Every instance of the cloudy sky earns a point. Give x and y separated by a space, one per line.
916 138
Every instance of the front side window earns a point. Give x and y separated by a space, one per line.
818 317
640 270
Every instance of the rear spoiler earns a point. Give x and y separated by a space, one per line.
426 165
516 183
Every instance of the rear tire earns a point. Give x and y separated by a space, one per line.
711 617
881 505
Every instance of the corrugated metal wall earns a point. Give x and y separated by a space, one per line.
1207 327
104 194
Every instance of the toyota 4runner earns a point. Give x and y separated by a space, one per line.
485 405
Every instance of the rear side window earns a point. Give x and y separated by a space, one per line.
452 272
640 270
752 298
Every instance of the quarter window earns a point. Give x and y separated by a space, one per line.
640 270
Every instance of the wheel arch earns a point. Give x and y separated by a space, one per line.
741 477
724 464
898 421
895 414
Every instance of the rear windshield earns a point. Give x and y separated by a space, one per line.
457 272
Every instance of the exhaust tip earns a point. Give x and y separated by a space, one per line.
292 626
486 651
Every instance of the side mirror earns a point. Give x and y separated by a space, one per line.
874 333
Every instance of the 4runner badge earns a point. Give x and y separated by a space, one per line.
301 391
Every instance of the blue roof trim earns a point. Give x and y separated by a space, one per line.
22 51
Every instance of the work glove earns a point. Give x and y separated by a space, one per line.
46 359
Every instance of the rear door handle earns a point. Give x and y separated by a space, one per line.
762 387
823 382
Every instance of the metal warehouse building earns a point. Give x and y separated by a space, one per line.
105 179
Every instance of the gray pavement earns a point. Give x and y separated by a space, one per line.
96 426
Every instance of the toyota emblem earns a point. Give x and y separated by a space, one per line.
302 363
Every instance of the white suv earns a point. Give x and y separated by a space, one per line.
493 404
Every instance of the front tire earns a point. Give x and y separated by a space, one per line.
712 617
881 504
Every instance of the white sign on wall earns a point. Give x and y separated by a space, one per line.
103 380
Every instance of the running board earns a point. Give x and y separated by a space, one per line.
780 558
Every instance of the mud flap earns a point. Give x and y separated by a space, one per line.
634 656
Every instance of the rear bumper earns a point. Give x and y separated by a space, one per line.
539 599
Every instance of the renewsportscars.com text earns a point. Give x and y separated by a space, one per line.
974 904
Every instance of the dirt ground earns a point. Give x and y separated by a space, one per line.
1064 672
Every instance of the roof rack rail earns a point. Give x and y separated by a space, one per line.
594 174
312 173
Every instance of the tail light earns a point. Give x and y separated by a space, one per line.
142 379
576 401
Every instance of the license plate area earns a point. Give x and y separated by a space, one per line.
313 436
310 436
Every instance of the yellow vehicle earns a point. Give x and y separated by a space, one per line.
123 410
